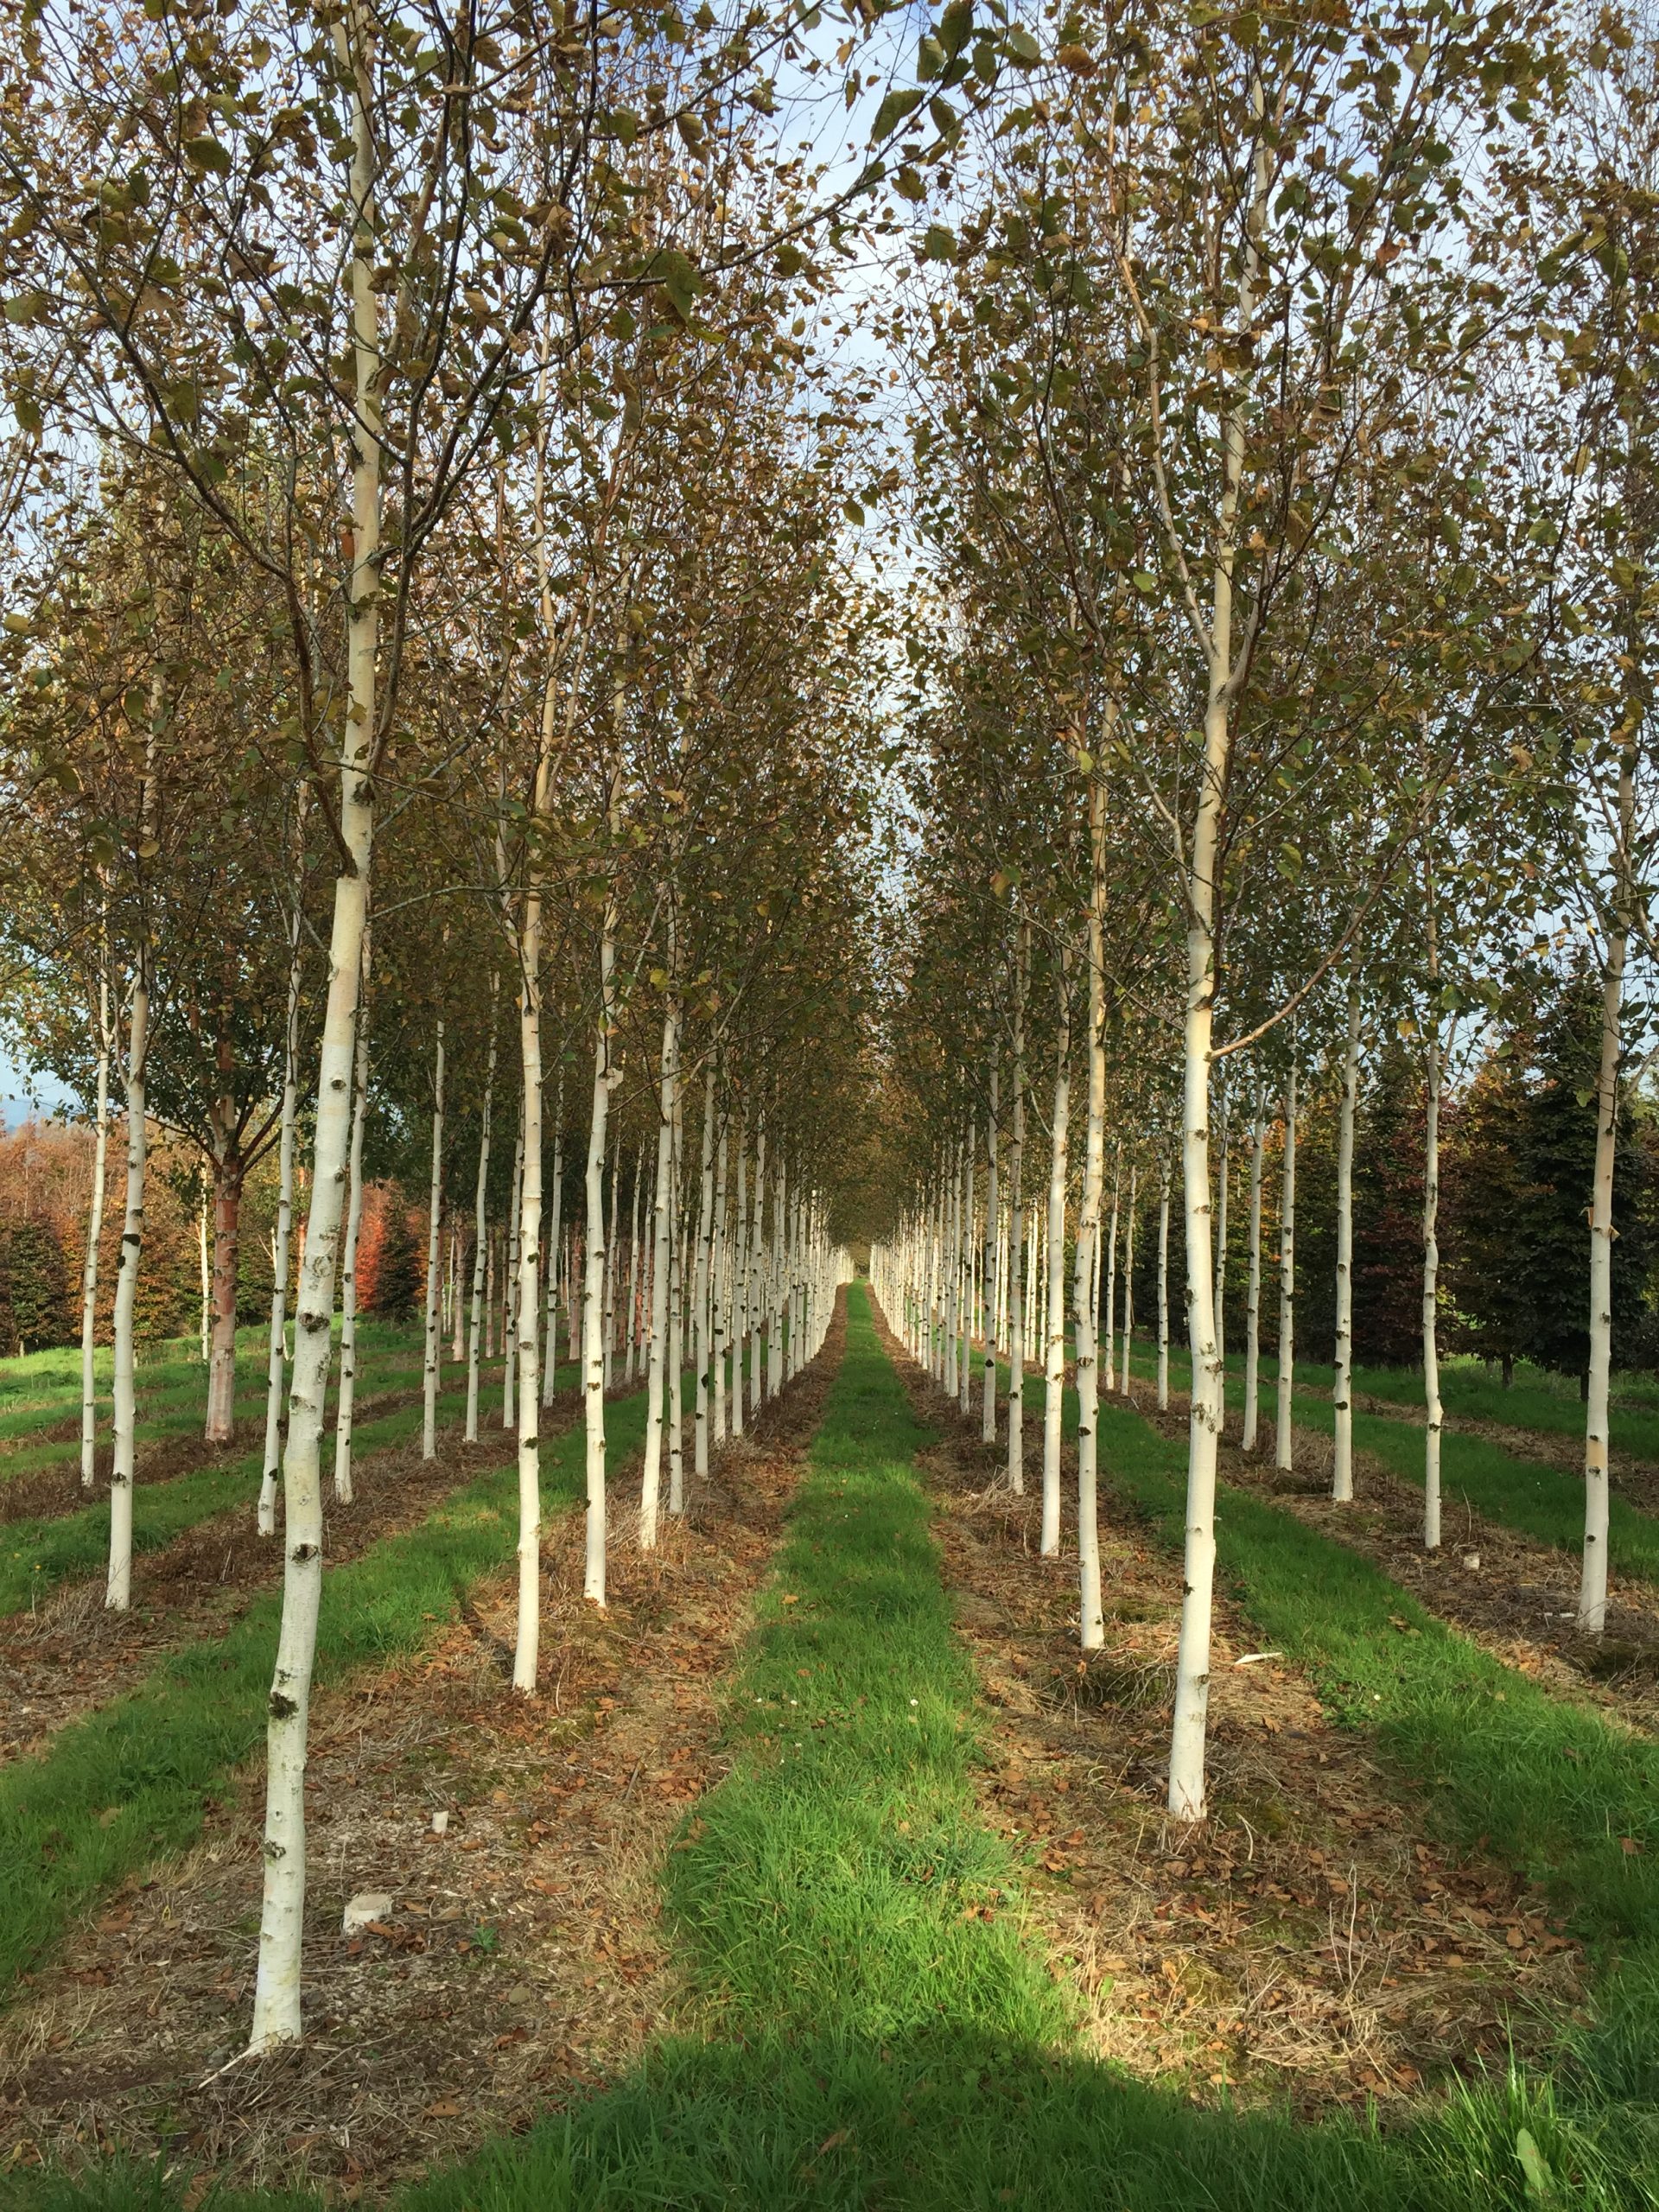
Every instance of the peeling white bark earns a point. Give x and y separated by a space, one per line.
95 1231
1342 1381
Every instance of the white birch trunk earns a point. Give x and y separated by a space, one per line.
757 1286
593 1301
780 1263
277 2017
965 1271
1431 1413
1016 1227
677 1301
993 1248
1187 1755
94 1233
345 1410
1342 1379
527 1641
1221 1252
1111 1284
703 1284
550 1365
1128 1383
118 1588
509 1283
1593 1581
1054 1254
660 1375
480 1230
282 1242
1285 1435
612 1255
1253 1284
1163 1288
433 1354
740 1274
718 1267
1086 1267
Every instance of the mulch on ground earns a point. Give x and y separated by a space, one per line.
523 1962
70 1656
1304 1942
48 1493
1515 1597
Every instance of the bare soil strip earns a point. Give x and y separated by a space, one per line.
522 1964
1306 1943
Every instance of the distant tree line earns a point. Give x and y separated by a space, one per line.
1518 1152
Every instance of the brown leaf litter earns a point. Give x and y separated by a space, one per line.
523 1963
71 1656
1304 1942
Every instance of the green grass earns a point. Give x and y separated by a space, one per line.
1537 1400
1544 1501
178 1410
127 1783
172 1392
35 1555
862 2043
1485 1752
40 1387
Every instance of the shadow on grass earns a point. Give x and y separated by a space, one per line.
878 2030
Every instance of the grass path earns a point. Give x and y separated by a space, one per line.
876 2029
38 1554
1537 1403
171 1392
866 2021
1543 1501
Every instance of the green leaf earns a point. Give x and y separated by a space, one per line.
207 154
679 279
1020 47
1534 2167
956 26
940 243
1143 580
903 100
28 307
854 513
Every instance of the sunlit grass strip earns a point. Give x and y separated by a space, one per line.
36 1554
1563 1795
867 2044
879 2043
126 1783
177 1409
1541 1501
